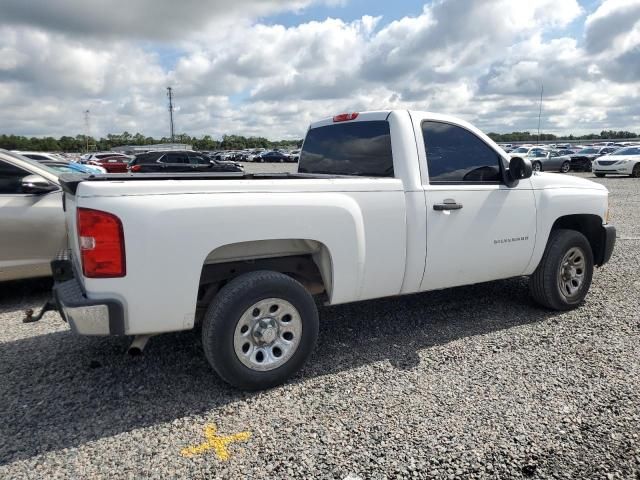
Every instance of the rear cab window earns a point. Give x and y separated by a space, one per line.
356 148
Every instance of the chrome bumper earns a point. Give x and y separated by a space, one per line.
85 316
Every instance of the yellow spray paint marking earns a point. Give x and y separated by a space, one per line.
216 443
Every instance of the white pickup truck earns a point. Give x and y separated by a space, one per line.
384 203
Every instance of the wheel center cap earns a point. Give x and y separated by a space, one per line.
265 331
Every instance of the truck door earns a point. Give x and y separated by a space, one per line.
478 229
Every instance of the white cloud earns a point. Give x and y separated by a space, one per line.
483 61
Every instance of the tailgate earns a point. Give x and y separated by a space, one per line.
70 207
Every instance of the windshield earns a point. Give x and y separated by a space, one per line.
627 151
588 151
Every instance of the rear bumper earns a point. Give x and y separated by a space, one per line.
608 242
85 316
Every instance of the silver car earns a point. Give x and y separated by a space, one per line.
549 161
32 224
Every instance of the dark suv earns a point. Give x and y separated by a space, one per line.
178 161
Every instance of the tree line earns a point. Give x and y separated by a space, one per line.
533 137
80 143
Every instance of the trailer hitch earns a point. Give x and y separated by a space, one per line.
29 313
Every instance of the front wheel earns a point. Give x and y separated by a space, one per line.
536 166
588 166
563 277
635 173
565 167
259 330
599 175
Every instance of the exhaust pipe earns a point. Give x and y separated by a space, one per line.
138 344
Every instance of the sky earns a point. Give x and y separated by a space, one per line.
270 67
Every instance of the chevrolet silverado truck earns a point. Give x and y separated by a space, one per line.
384 203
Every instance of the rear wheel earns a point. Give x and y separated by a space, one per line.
635 173
600 175
259 330
565 167
563 276
536 166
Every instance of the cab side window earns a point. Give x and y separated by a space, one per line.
175 157
456 155
11 178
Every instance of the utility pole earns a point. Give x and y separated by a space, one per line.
540 112
170 95
87 129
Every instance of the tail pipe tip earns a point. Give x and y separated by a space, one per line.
138 344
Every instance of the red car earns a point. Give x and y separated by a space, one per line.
115 164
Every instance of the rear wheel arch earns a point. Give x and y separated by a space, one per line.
307 261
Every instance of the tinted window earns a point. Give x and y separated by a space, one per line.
457 155
198 160
11 178
33 156
147 158
175 157
358 148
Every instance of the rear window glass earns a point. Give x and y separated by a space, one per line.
358 148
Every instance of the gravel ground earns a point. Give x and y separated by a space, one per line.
472 382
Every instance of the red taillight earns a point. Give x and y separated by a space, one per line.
101 241
135 168
345 117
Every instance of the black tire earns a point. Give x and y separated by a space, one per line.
536 166
635 173
544 283
599 175
227 308
588 166
565 167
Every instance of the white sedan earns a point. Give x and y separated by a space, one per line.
625 161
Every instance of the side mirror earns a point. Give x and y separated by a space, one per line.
36 184
519 169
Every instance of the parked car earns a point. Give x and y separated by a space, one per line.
178 161
57 162
72 167
294 155
549 161
115 164
217 157
583 159
524 151
32 222
625 161
87 157
272 156
245 256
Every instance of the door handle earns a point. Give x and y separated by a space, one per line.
448 204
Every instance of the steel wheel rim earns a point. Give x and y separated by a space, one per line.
571 273
267 334
565 167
